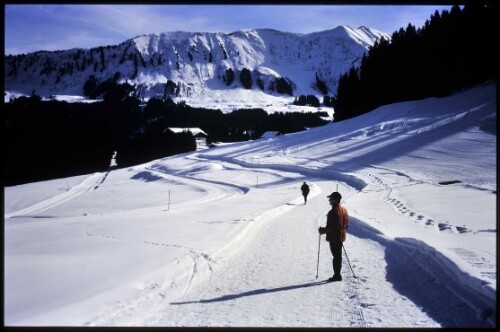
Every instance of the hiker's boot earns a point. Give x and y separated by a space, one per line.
336 277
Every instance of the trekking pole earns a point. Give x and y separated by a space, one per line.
317 266
348 261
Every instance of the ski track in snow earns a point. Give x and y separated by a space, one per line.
226 281
90 183
387 194
215 190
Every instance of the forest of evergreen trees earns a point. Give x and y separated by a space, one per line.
50 139
454 50
53 139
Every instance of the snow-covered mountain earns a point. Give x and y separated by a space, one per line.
199 63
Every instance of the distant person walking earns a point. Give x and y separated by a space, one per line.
337 221
305 191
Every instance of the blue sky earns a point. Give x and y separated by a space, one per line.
30 28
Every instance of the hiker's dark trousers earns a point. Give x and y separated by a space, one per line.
336 249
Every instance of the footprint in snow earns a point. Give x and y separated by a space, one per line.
461 229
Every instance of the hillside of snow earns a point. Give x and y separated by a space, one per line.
198 63
221 237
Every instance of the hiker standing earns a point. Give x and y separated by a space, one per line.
336 229
305 191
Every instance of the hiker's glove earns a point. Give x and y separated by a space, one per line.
322 230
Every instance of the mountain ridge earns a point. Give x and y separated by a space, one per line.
198 62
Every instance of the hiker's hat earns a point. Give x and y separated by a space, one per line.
335 195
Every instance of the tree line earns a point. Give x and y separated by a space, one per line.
238 125
452 51
55 139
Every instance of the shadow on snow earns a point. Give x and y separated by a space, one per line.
254 292
420 273
431 281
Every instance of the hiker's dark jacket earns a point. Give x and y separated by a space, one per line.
305 189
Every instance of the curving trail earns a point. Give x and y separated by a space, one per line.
273 264
211 191
267 261
90 183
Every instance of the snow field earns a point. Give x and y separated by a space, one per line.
221 237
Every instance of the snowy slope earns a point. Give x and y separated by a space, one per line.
197 62
222 237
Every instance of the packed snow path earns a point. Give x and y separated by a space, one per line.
274 265
265 277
